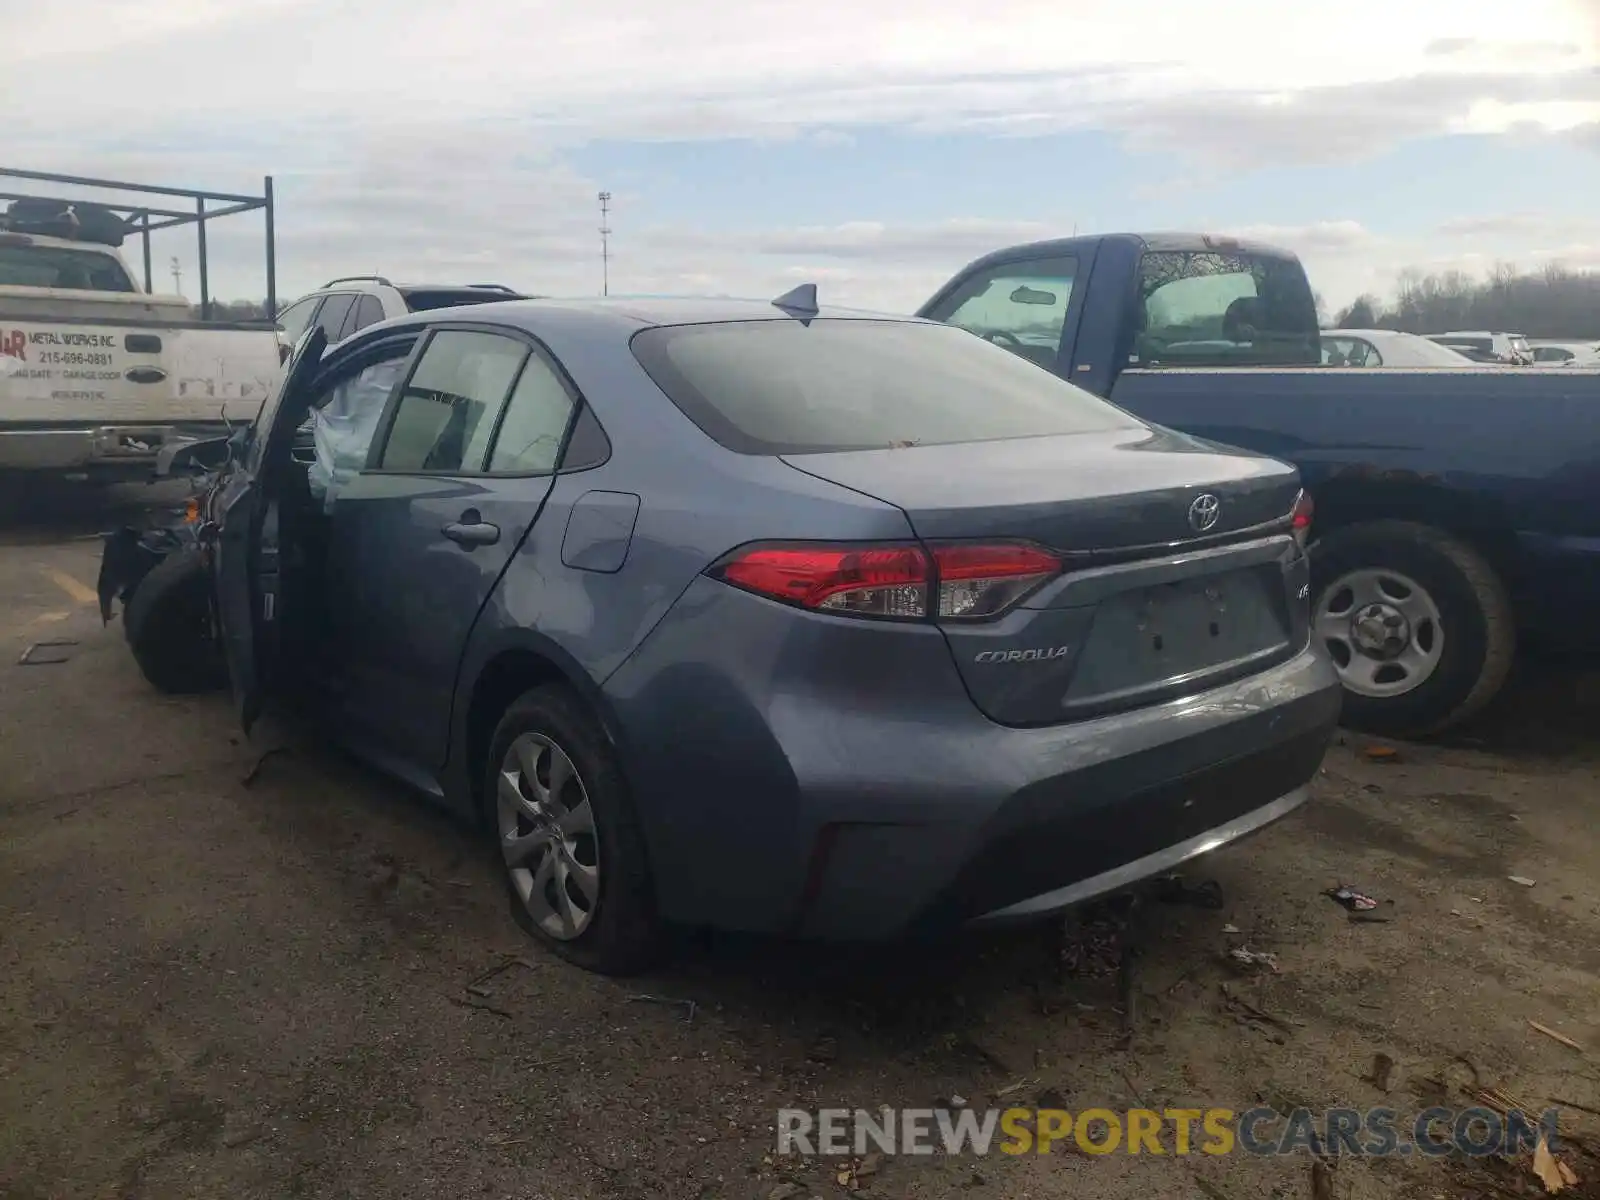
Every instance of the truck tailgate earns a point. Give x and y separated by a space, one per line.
99 370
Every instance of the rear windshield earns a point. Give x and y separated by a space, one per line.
1482 345
427 299
783 387
1213 308
56 267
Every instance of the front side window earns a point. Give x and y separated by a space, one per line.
343 421
447 412
536 419
782 387
1552 354
56 267
1021 306
1198 308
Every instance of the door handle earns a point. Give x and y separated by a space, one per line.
472 533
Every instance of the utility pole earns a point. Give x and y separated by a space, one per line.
605 244
177 277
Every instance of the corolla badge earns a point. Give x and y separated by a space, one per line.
1204 511
1042 654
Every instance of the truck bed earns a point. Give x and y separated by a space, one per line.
1512 452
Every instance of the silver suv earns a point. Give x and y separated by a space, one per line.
343 306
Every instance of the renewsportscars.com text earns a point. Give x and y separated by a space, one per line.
1375 1132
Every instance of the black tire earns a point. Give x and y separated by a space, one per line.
168 624
624 934
1474 610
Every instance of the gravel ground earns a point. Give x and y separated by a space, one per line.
212 987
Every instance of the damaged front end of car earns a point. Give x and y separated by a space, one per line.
132 552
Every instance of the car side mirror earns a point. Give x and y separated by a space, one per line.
205 454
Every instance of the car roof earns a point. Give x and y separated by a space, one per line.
628 315
1187 243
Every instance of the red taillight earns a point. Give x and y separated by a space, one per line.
1300 517
981 581
957 581
889 581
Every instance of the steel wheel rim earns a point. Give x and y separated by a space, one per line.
547 836
1383 630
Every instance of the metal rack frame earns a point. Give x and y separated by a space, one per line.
146 219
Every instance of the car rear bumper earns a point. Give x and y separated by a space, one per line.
131 448
831 778
1157 862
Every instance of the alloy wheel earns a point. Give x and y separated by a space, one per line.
547 836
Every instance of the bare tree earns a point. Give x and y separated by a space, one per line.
1363 314
1552 302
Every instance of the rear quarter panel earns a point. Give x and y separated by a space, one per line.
697 501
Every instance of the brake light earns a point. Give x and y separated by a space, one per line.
982 581
1300 517
889 581
956 581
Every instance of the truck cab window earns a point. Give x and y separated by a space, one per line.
55 267
1204 308
1021 306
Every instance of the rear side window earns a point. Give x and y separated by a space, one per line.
1349 352
447 411
1199 308
333 312
782 387
368 311
535 422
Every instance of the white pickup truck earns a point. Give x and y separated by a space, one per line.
95 374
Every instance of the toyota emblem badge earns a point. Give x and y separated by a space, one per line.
1203 513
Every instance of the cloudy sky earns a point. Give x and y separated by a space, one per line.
873 146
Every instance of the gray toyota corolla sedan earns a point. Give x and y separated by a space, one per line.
757 616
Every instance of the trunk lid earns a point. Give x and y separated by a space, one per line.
1108 491
1163 593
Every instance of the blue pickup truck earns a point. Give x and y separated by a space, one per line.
1457 510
